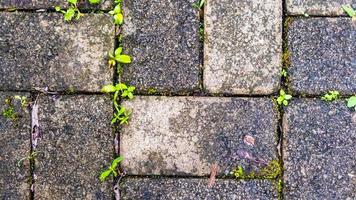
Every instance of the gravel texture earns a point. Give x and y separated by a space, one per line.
50 4
318 7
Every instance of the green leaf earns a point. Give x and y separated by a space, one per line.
282 93
118 51
285 102
114 119
131 88
121 86
116 161
73 1
94 1
57 8
117 9
69 14
118 18
349 10
123 59
108 89
287 97
280 100
104 175
201 3
351 102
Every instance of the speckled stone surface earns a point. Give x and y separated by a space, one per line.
322 55
14 145
47 4
318 7
136 188
243 46
319 150
76 145
42 50
162 36
186 135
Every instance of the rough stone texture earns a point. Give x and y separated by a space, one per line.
15 144
322 55
319 150
46 51
46 4
75 147
162 36
145 189
243 46
186 135
318 7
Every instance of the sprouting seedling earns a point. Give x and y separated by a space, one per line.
199 4
117 13
283 98
349 10
30 157
23 100
284 73
111 169
118 57
331 96
9 112
351 102
121 115
71 12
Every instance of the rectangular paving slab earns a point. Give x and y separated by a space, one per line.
187 135
319 150
15 144
39 50
76 145
162 36
168 188
46 4
322 55
318 7
243 44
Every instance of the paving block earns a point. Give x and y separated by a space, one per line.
169 188
319 150
45 4
318 7
76 145
243 44
15 144
187 135
322 55
163 38
40 50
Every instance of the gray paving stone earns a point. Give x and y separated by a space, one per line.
243 46
77 144
186 135
319 150
162 36
322 54
15 144
39 50
318 7
136 188
46 4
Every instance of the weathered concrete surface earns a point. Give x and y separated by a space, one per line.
45 4
322 55
318 7
136 188
15 144
75 147
162 36
186 135
319 150
243 46
39 50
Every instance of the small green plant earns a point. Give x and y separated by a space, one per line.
30 157
284 73
331 96
270 171
199 4
351 102
283 98
350 11
111 170
9 112
117 13
121 115
201 32
94 1
71 12
118 57
23 100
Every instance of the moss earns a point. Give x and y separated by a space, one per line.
271 171
151 91
9 112
70 90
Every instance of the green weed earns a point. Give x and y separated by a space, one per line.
283 98
351 102
331 96
350 11
271 171
118 57
117 13
30 157
9 112
23 100
94 1
284 73
199 4
111 170
72 12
